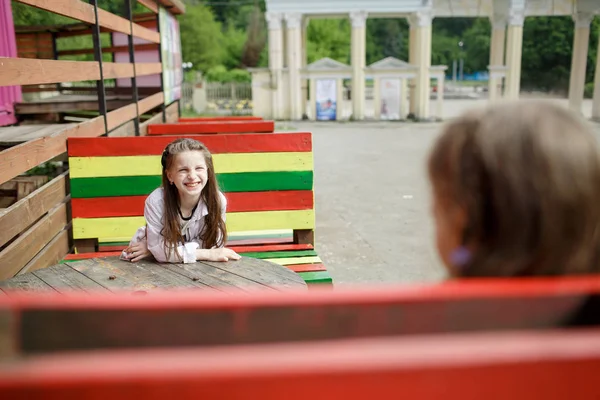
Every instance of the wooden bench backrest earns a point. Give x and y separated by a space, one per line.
46 323
223 118
267 179
526 365
212 127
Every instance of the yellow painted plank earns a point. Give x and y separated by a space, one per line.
90 167
298 219
120 227
295 260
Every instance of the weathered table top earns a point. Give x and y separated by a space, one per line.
115 275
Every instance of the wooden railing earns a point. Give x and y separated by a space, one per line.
34 232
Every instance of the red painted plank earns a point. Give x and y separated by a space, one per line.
251 242
101 207
212 127
104 249
515 365
83 256
229 118
270 201
307 267
275 247
217 144
128 206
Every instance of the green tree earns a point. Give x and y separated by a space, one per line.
328 38
202 41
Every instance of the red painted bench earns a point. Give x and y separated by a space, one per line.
212 127
224 118
45 323
524 365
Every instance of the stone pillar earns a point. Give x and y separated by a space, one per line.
359 61
294 47
403 97
312 113
596 101
497 54
275 62
376 97
421 21
514 47
303 64
440 95
411 60
581 42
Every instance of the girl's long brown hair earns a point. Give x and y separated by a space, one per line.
527 176
214 233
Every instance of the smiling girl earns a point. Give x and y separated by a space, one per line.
185 217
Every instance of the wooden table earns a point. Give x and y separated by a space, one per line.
110 274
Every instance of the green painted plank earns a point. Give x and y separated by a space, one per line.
280 254
316 277
144 185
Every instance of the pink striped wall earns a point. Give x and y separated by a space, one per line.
8 48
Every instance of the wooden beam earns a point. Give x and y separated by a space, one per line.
82 11
513 365
174 6
145 33
54 251
113 49
75 9
142 69
24 71
78 322
118 117
151 102
25 212
21 158
156 119
149 4
17 254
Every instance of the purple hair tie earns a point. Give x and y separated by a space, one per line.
460 256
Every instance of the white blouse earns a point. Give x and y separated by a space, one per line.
151 233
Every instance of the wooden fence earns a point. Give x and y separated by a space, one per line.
35 231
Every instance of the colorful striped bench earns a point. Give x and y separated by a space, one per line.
214 127
267 179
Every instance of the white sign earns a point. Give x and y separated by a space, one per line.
390 90
326 97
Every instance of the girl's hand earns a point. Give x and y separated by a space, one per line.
221 254
137 251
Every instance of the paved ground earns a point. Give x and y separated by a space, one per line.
372 200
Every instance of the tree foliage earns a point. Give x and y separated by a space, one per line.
232 34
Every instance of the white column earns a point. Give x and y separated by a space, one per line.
596 101
359 61
514 47
412 82
376 97
403 97
496 54
312 113
303 63
421 21
294 47
581 42
440 95
275 62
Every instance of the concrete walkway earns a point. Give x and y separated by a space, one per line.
372 199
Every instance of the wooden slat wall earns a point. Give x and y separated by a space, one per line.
35 227
35 232
84 11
